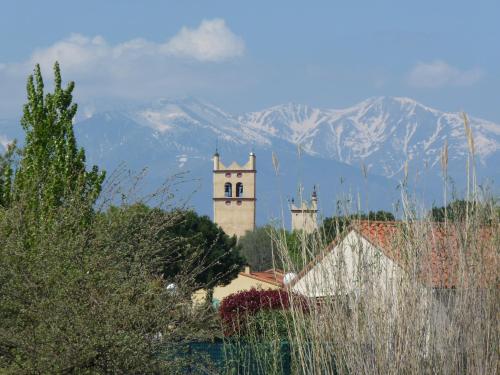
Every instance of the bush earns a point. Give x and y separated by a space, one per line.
236 309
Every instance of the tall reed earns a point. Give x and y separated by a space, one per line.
429 304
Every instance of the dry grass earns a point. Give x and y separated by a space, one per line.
404 325
370 323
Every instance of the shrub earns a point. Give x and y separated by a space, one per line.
236 309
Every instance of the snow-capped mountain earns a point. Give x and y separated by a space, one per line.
181 135
326 147
383 133
184 116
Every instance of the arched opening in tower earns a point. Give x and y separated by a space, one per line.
228 190
239 189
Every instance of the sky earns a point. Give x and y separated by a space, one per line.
246 56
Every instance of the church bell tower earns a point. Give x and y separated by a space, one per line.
304 216
234 195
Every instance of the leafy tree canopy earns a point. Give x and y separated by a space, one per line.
6 171
268 247
258 249
332 226
80 292
192 244
220 256
52 167
458 210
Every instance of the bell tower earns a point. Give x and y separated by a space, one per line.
234 195
304 216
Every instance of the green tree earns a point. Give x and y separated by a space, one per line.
52 167
76 295
257 248
80 299
264 248
378 216
335 225
218 254
6 173
303 247
193 244
457 211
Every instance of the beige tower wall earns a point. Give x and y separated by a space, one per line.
235 215
304 220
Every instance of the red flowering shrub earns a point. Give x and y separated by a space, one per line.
235 309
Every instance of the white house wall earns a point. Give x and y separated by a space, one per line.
353 266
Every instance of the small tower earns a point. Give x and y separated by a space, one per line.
304 217
234 195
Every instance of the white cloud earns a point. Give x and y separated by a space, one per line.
77 52
211 41
135 69
438 73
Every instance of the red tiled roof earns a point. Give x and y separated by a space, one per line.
274 277
439 250
445 259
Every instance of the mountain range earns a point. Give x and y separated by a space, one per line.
360 154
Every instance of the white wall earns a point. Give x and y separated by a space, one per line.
351 267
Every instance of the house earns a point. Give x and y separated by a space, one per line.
403 281
376 256
246 280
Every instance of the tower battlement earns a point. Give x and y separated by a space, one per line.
234 166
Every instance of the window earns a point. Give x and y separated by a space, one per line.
239 189
239 174
228 190
228 174
238 203
228 203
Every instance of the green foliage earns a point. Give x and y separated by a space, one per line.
80 299
335 225
458 210
80 292
260 248
52 167
296 243
270 324
219 256
257 248
193 244
6 173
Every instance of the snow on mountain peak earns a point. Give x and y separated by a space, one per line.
288 121
382 133
384 130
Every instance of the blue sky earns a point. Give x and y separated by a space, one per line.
250 55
